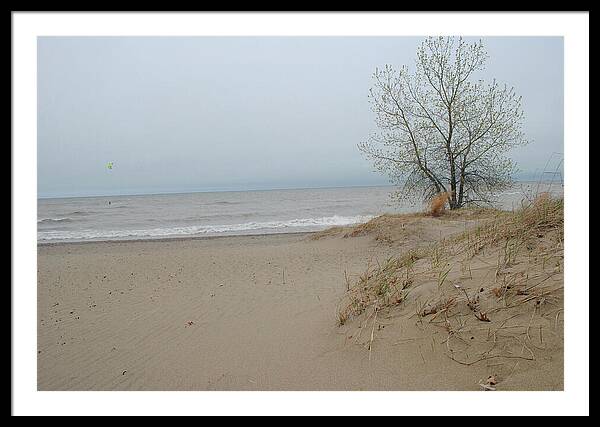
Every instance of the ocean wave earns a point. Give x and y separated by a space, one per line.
80 213
199 218
224 202
243 228
53 220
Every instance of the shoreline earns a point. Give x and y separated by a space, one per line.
172 239
95 230
221 236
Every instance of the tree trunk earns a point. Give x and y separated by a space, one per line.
461 190
452 201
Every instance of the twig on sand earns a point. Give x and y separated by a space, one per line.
525 347
539 283
529 324
487 387
511 371
450 352
407 340
489 357
490 383
373 332
556 319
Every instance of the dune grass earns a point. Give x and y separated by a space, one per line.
519 259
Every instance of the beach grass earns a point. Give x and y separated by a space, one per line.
503 268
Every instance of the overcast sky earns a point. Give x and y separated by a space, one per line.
233 113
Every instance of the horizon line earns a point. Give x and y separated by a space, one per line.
151 193
220 191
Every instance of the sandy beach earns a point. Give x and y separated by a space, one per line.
262 313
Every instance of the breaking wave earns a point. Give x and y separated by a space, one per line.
53 220
268 227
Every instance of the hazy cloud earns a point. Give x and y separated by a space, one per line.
213 113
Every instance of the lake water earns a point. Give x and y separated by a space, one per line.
228 213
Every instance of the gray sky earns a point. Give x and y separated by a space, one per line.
229 113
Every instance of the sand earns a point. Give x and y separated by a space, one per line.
254 313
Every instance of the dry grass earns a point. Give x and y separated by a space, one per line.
398 228
386 228
382 286
516 230
518 260
437 205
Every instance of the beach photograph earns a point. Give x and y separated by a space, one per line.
364 214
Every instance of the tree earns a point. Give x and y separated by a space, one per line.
441 130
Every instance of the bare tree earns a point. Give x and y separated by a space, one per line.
441 130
